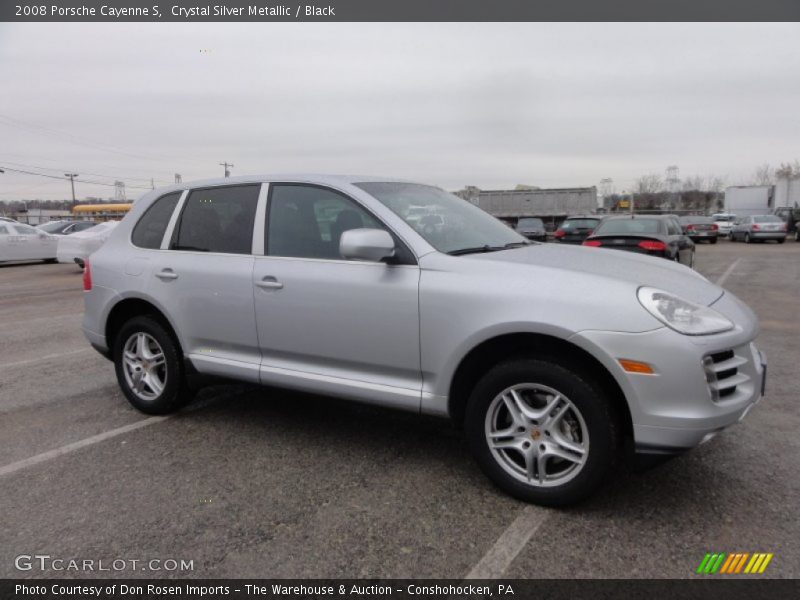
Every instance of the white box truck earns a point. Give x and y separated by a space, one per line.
747 200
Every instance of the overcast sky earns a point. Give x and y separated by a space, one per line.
490 105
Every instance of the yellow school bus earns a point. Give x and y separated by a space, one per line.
101 212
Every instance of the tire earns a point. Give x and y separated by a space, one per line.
163 384
583 421
713 240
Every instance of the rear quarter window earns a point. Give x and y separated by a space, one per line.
150 229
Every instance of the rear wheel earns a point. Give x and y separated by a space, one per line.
149 367
713 240
541 432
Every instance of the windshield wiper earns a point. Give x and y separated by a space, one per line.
488 248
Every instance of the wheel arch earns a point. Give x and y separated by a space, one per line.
128 308
495 350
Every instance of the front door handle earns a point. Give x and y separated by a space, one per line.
269 283
167 274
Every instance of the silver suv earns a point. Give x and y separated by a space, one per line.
552 358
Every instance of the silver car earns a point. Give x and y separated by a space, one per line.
758 228
553 358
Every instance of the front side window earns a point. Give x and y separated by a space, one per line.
767 219
308 221
149 231
25 229
218 219
447 222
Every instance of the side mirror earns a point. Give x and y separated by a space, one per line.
366 244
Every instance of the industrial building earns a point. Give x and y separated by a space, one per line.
551 205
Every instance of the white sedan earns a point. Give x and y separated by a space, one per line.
23 242
77 247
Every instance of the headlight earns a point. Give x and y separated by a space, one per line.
681 315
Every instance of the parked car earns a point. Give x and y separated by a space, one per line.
319 283
75 248
790 216
700 229
65 227
759 228
724 222
23 242
655 235
574 230
532 228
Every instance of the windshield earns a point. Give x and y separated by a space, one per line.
527 222
629 226
447 222
52 226
767 219
579 224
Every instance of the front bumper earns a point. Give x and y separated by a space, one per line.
678 408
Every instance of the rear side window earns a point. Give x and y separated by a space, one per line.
218 219
149 231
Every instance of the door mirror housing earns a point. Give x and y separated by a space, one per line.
373 245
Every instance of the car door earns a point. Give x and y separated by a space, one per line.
29 243
202 277
327 324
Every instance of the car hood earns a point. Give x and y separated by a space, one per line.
619 265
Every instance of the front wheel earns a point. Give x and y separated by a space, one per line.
541 432
149 367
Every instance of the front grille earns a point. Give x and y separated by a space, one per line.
722 373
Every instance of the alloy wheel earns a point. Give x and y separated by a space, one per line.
537 435
144 365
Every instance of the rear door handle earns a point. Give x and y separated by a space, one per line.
167 274
269 283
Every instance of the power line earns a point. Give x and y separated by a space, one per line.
114 177
78 180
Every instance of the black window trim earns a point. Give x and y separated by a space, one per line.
406 256
189 191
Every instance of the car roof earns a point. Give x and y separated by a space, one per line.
317 178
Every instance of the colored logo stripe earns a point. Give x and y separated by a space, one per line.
734 563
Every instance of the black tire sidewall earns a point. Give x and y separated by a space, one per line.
174 394
583 394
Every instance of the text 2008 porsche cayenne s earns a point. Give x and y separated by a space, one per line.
549 356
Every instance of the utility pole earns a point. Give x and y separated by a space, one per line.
227 170
72 177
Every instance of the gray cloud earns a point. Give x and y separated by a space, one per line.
453 104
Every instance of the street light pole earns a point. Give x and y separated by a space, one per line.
72 177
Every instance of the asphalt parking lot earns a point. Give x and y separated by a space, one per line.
254 482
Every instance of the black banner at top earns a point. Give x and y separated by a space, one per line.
397 10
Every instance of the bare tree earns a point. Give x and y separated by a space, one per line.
715 183
649 184
693 183
763 175
789 170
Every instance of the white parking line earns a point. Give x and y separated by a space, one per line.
95 439
508 546
724 277
45 357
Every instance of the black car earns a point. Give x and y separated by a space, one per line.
655 235
573 230
532 228
65 227
700 229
